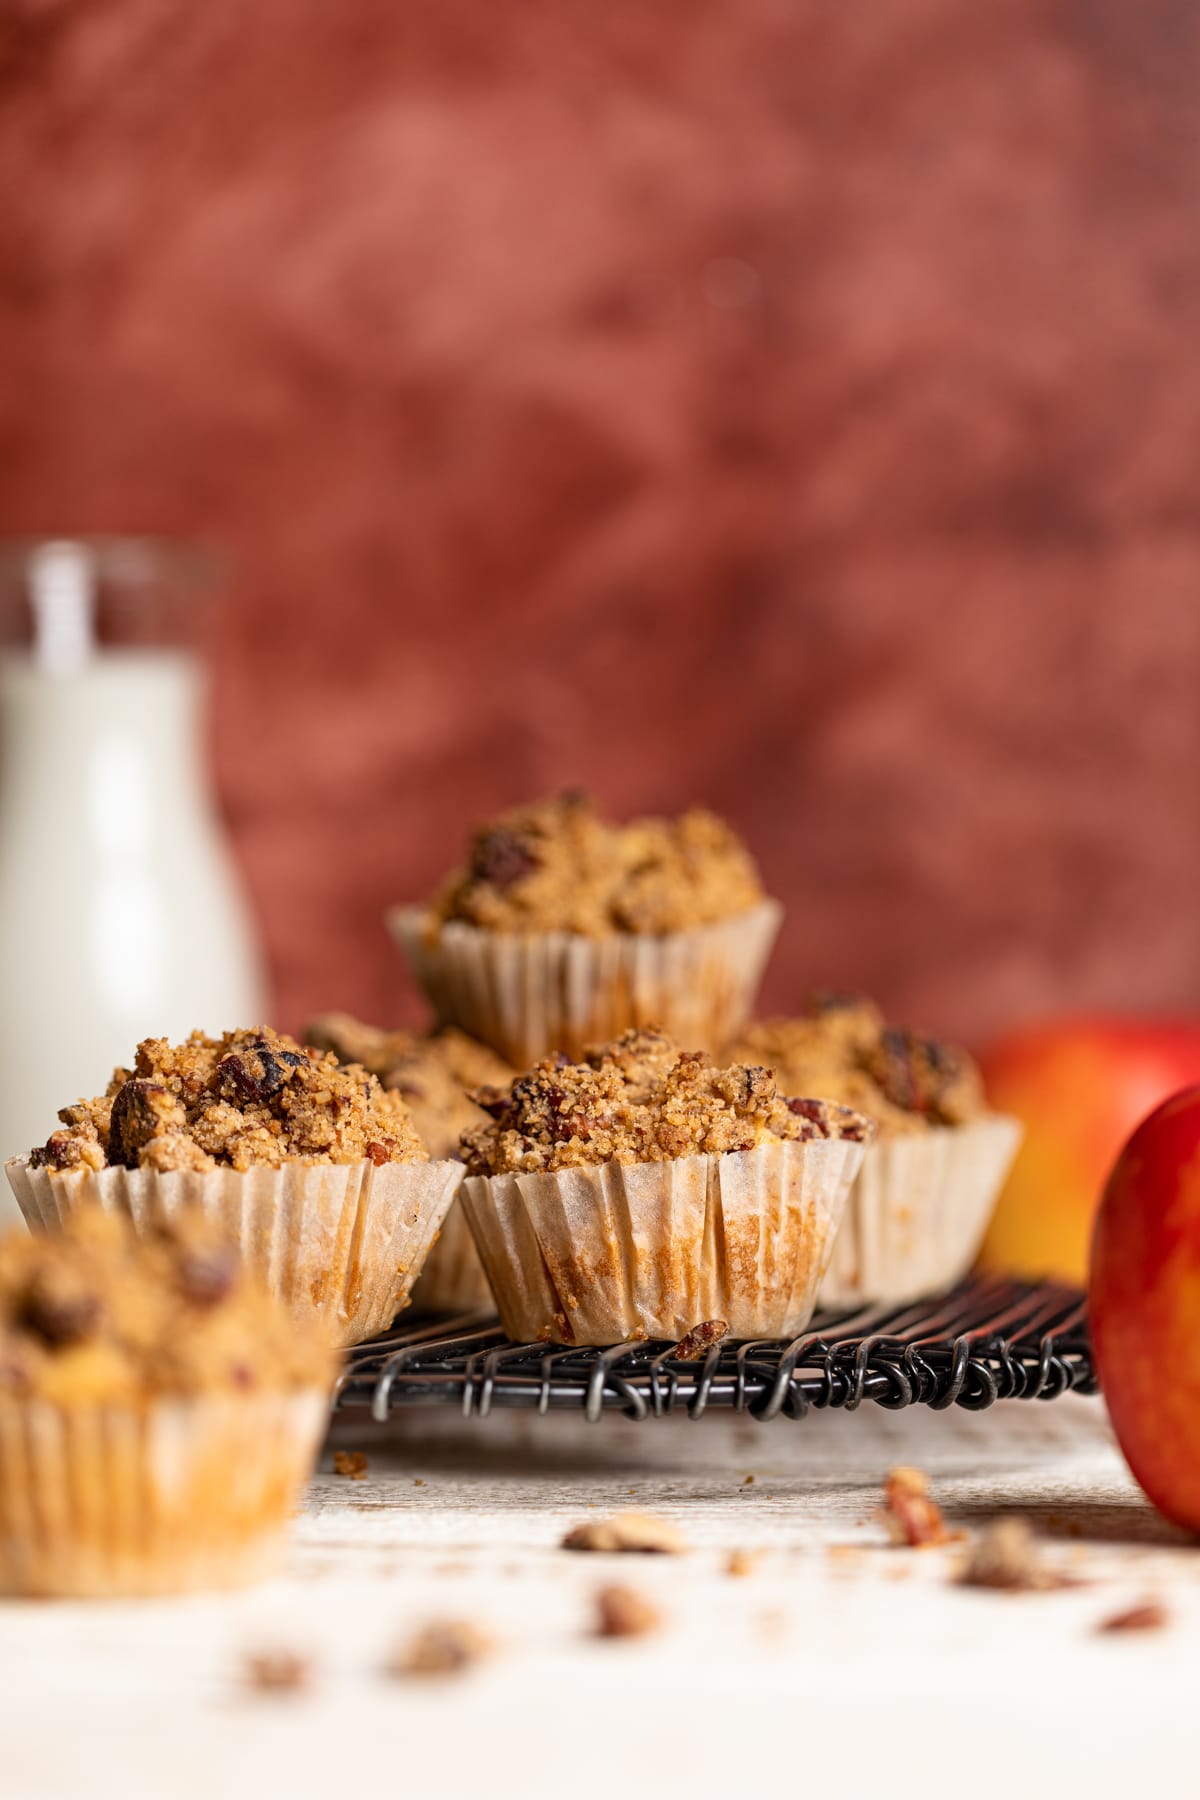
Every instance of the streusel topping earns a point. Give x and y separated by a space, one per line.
557 866
640 1100
431 1074
240 1101
843 1050
96 1312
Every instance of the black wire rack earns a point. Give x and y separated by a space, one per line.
982 1342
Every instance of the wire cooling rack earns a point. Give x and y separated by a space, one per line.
981 1342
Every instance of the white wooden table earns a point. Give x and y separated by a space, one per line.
839 1665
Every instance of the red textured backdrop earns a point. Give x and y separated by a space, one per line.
789 406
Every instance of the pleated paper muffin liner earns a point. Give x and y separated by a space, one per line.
918 1211
157 1498
606 1254
452 1279
345 1240
528 996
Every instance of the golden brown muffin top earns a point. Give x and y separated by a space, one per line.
636 1100
96 1313
556 865
842 1050
430 1073
248 1099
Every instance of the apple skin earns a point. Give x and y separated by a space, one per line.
1144 1304
1079 1086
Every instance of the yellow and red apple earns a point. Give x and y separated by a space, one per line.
1144 1304
1079 1086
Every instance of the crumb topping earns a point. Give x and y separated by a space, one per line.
639 1099
556 865
247 1099
842 1050
431 1074
97 1313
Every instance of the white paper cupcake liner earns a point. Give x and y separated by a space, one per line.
452 1279
345 1240
603 1255
918 1211
527 997
159 1498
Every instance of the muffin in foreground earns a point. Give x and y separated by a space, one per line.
431 1073
159 1411
920 1206
564 930
641 1191
312 1168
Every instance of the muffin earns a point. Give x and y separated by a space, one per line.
311 1167
639 1192
928 1184
159 1411
431 1074
564 930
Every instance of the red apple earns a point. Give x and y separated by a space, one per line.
1079 1087
1144 1301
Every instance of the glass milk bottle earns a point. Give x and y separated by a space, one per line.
121 915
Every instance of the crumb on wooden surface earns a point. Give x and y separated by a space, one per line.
911 1514
743 1562
623 1612
443 1647
1147 1615
275 1671
350 1463
1006 1557
631 1531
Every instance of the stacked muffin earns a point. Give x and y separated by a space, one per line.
562 932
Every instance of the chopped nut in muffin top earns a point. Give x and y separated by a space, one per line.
246 1099
842 1050
96 1313
557 866
431 1074
639 1100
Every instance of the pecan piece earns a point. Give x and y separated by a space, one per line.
623 1612
700 1340
445 1647
1006 1556
277 1672
633 1531
1147 1615
141 1111
912 1516
350 1463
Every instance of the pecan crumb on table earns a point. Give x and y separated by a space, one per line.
350 1463
277 1672
742 1562
444 1647
623 1612
632 1531
1147 1615
1007 1557
911 1514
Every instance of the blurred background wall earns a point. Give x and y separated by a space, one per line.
788 406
